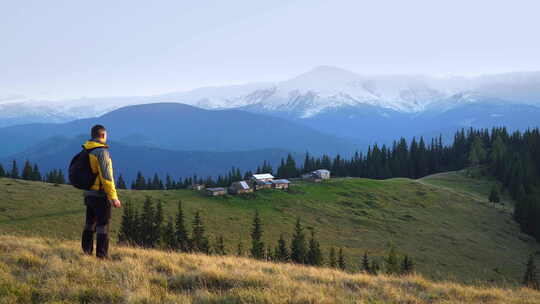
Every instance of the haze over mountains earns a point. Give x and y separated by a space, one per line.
310 94
325 110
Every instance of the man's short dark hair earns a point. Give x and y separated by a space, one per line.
96 131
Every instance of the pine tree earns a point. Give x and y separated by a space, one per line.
27 171
314 255
120 183
268 256
160 185
341 260
290 167
182 237
282 252
14 170
140 182
392 264
199 240
240 249
374 268
332 262
407 265
365 263
36 175
168 182
219 248
60 179
477 153
126 233
2 171
157 224
168 236
147 224
257 245
494 195
52 177
138 229
530 278
298 244
154 184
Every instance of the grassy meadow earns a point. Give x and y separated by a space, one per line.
443 222
42 270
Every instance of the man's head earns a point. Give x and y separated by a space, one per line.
99 133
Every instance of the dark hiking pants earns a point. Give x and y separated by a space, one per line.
98 216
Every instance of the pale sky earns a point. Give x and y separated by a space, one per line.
69 49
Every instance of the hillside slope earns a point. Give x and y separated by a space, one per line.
449 235
36 270
475 183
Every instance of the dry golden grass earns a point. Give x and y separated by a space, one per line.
38 270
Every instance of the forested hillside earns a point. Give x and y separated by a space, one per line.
448 233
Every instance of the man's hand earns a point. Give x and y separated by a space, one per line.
116 203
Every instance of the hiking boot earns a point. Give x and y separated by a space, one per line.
87 242
102 245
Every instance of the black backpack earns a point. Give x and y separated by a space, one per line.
80 172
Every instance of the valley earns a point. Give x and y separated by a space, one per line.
441 221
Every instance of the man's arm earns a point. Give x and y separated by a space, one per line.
106 174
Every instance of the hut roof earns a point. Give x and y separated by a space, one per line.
281 181
215 189
263 176
241 184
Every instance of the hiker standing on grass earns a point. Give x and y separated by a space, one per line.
100 191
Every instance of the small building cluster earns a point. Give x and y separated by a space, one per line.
259 182
256 182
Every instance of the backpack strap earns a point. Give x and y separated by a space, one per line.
92 149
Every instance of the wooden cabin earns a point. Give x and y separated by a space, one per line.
322 174
280 184
215 191
240 187
317 175
265 177
260 184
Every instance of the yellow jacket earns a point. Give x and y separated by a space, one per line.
101 164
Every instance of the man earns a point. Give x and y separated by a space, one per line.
101 196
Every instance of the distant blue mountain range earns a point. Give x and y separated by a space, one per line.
56 153
181 127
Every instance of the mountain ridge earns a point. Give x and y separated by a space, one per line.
175 126
314 91
57 151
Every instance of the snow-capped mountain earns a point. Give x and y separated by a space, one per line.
321 88
326 87
306 96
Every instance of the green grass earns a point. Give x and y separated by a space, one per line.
476 183
447 227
